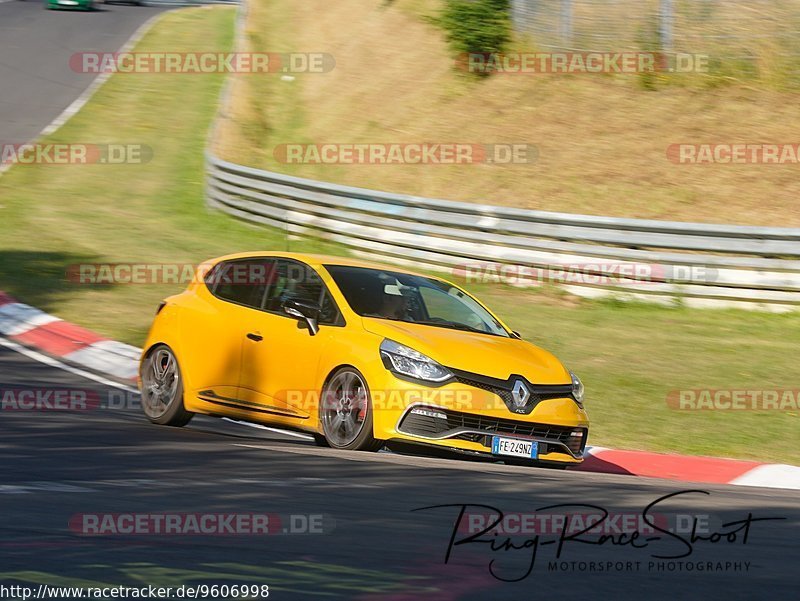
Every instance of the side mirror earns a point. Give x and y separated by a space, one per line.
306 311
516 335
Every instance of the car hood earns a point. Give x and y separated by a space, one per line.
484 354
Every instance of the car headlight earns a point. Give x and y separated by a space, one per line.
577 389
408 362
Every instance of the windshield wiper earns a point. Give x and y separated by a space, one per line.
452 325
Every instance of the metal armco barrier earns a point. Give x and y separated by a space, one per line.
668 262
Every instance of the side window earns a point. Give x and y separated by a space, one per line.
244 281
295 281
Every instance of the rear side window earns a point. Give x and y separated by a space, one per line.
244 281
264 283
296 281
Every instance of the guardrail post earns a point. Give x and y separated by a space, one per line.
565 22
666 20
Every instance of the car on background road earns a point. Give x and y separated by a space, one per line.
358 354
70 4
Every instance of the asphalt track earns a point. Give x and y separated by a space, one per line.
36 82
57 465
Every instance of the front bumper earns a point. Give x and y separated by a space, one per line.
440 424
464 418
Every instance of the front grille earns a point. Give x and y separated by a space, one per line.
432 425
503 393
503 389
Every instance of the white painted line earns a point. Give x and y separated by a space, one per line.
79 102
18 318
771 476
98 81
276 430
110 357
58 364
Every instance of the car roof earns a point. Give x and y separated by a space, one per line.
317 260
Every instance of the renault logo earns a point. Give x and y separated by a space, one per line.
520 394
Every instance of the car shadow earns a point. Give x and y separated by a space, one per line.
39 278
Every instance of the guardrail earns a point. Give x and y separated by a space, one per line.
668 262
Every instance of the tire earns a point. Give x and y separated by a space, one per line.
162 388
345 412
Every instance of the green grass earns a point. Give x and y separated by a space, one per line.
630 356
57 216
602 140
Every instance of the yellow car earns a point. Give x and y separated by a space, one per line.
358 355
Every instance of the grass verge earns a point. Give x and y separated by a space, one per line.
630 356
602 139
54 216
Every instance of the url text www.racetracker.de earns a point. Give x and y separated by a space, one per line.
201 591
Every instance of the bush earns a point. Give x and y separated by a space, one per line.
477 26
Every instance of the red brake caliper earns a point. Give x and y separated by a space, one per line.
362 411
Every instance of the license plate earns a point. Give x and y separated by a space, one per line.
514 447
68 2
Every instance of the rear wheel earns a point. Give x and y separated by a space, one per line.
162 388
345 412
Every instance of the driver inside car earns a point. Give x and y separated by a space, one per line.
395 301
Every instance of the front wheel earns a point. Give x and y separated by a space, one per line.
345 412
162 388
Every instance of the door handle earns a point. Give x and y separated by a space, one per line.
255 337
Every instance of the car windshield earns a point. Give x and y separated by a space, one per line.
414 299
